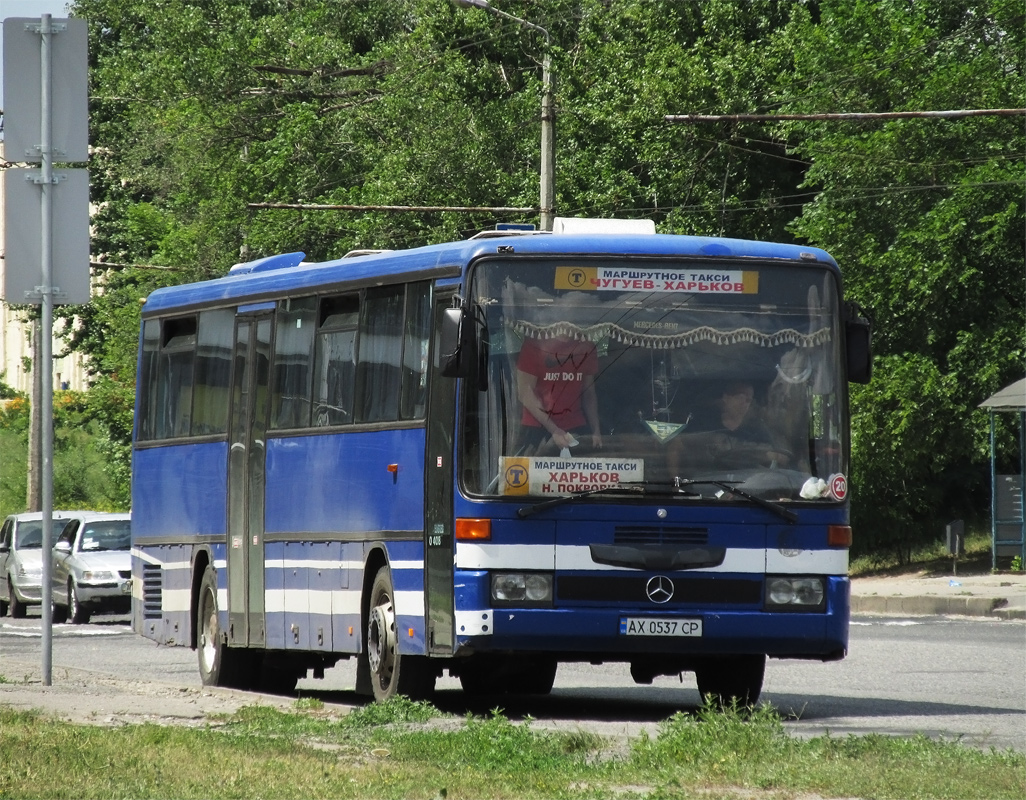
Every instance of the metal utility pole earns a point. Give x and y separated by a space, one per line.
547 187
45 118
33 500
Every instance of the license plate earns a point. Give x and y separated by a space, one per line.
655 626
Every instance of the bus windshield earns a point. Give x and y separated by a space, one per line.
656 372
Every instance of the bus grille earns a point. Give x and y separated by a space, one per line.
153 587
632 591
659 534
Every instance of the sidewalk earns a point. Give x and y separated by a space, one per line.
985 595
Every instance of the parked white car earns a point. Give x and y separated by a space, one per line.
21 559
92 566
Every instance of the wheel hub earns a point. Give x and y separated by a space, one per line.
381 641
208 641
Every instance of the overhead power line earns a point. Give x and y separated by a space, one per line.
399 209
972 112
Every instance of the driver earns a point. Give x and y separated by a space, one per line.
736 436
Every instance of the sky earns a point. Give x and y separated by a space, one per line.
57 9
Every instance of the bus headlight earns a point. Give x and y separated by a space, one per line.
521 589
788 593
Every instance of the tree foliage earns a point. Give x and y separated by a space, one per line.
927 216
201 107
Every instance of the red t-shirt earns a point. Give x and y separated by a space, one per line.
560 366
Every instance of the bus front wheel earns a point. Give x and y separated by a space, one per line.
219 665
392 672
729 680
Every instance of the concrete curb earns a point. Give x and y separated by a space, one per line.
933 606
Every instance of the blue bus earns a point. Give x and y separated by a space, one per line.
491 456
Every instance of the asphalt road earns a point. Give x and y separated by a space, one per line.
956 678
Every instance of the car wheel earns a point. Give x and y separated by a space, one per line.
76 613
18 609
4 603
58 613
392 672
219 664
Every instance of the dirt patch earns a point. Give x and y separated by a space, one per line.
85 697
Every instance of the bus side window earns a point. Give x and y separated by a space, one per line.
210 396
293 351
148 381
378 364
336 360
175 377
415 350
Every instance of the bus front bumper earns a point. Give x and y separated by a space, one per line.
622 633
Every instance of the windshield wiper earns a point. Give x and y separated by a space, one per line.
730 488
527 511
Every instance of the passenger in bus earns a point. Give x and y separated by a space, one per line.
556 387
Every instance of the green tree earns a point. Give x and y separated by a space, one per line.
201 107
927 218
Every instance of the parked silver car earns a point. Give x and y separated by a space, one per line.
21 559
92 566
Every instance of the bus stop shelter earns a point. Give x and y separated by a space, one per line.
1007 526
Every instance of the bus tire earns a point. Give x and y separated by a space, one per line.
509 675
534 676
477 680
219 664
729 680
276 679
391 672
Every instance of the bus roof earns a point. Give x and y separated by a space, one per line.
289 275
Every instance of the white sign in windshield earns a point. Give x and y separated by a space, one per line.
556 475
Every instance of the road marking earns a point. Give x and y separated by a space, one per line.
33 632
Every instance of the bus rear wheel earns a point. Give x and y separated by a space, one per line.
219 664
392 672
731 680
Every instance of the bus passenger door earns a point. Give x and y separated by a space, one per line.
246 461
438 491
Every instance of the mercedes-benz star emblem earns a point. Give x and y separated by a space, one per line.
659 589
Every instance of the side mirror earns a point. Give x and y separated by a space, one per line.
858 339
463 341
62 547
4 547
456 344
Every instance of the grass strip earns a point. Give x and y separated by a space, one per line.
408 750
